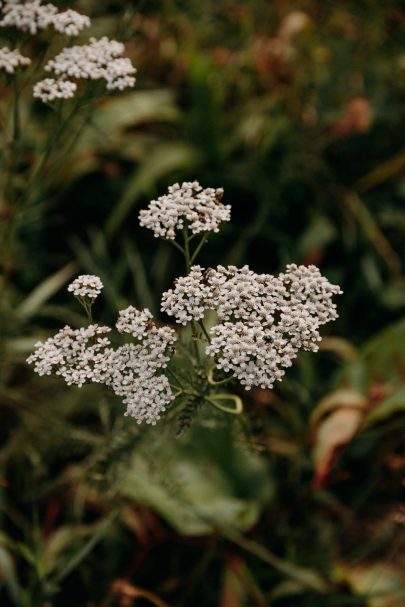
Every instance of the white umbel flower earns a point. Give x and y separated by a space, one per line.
86 285
134 375
133 321
264 320
70 22
75 354
50 89
99 60
10 60
31 16
201 209
132 371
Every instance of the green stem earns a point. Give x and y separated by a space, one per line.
308 578
199 247
187 249
61 126
179 247
16 113
237 410
201 323
213 382
188 267
176 377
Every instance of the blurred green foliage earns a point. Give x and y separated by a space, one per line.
296 109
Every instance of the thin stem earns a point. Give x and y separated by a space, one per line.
187 249
188 267
199 247
214 398
62 124
213 382
201 323
16 113
176 377
179 247
308 578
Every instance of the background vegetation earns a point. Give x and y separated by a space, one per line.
296 108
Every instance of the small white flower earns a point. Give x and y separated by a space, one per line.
86 285
10 60
188 204
50 89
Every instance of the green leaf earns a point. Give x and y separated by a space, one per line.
8 574
387 408
202 483
44 291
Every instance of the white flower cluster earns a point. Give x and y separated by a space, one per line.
99 60
32 16
86 285
135 367
70 22
132 371
12 60
77 355
50 89
189 204
263 320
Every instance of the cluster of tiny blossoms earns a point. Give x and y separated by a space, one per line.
12 60
99 60
263 320
50 89
189 204
32 16
86 285
133 371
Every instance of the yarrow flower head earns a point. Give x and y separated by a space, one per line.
133 371
99 60
189 204
77 355
86 285
32 16
70 22
263 320
50 89
10 60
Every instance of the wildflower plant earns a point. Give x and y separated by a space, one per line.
261 323
47 57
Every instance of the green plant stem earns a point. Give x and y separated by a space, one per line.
187 250
187 259
176 377
213 382
179 247
307 578
198 248
61 127
214 398
201 323
16 113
